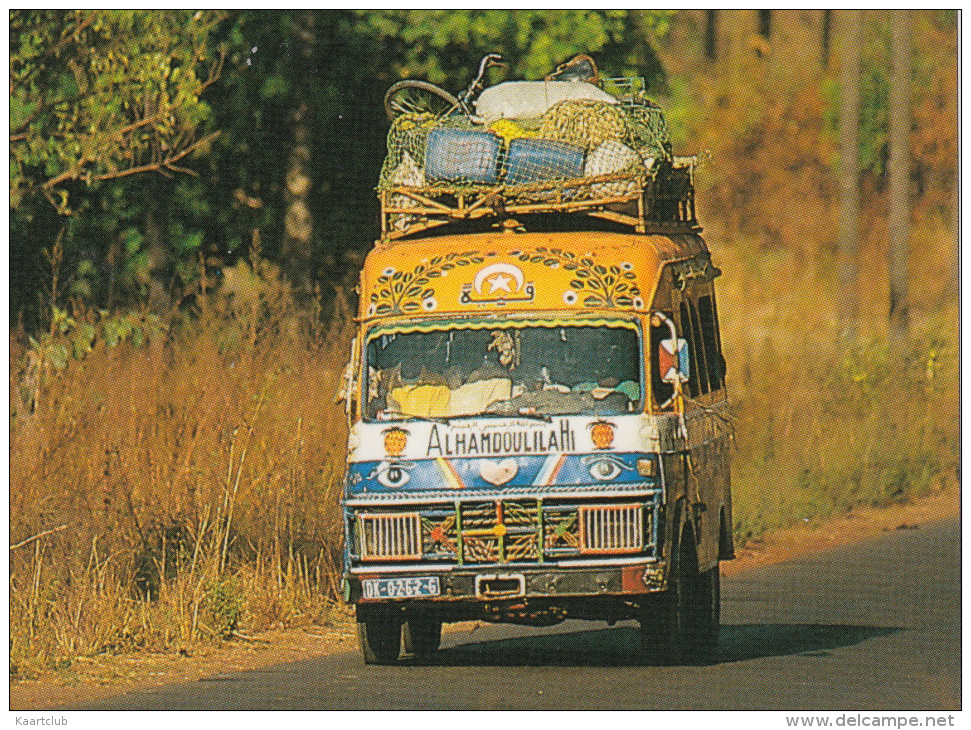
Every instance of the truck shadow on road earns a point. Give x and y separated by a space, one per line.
619 646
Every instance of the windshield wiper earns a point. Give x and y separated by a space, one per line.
536 416
512 414
401 416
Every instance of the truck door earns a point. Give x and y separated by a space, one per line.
706 457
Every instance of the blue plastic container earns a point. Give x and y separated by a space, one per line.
531 160
460 155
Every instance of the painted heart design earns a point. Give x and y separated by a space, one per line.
498 472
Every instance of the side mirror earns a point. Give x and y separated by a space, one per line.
673 361
345 393
344 390
672 355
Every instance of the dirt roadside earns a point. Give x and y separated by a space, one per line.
96 678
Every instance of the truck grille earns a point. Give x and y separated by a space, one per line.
507 531
612 529
390 536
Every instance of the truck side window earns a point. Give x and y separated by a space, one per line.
709 331
704 361
693 389
698 375
663 392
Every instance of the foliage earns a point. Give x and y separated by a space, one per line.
767 134
102 94
444 46
321 74
223 604
294 73
332 68
97 97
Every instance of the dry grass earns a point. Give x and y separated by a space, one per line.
825 423
191 485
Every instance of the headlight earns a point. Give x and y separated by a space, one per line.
611 529
389 536
647 467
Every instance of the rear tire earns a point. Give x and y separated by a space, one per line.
704 623
422 635
379 636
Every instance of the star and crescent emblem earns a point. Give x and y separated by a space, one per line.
498 283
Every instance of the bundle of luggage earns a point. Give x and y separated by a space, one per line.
527 134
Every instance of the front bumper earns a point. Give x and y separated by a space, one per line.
489 583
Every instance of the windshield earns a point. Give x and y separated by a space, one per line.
537 370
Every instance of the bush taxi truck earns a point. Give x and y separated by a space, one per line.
539 426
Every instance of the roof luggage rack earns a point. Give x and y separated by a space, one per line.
660 199
537 147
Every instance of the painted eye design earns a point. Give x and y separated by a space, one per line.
393 474
604 467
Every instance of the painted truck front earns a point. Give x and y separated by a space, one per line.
538 431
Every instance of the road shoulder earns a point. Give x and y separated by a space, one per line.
857 524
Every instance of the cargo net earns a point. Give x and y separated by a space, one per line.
611 147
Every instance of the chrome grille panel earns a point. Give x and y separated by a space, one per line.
611 529
395 536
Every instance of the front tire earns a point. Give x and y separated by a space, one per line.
704 623
379 636
684 622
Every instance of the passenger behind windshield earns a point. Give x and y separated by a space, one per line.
504 371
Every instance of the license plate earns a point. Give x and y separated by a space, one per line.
401 587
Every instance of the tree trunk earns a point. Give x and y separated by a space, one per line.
157 243
298 220
898 252
765 24
847 267
711 34
298 235
827 36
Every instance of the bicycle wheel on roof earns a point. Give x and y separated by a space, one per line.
413 96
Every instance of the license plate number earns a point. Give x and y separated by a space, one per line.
401 587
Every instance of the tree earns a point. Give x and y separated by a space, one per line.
97 97
297 102
899 173
102 94
711 34
444 46
849 175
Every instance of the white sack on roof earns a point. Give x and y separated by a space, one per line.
531 99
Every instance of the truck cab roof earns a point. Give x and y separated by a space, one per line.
580 272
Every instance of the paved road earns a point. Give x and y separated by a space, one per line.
872 626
